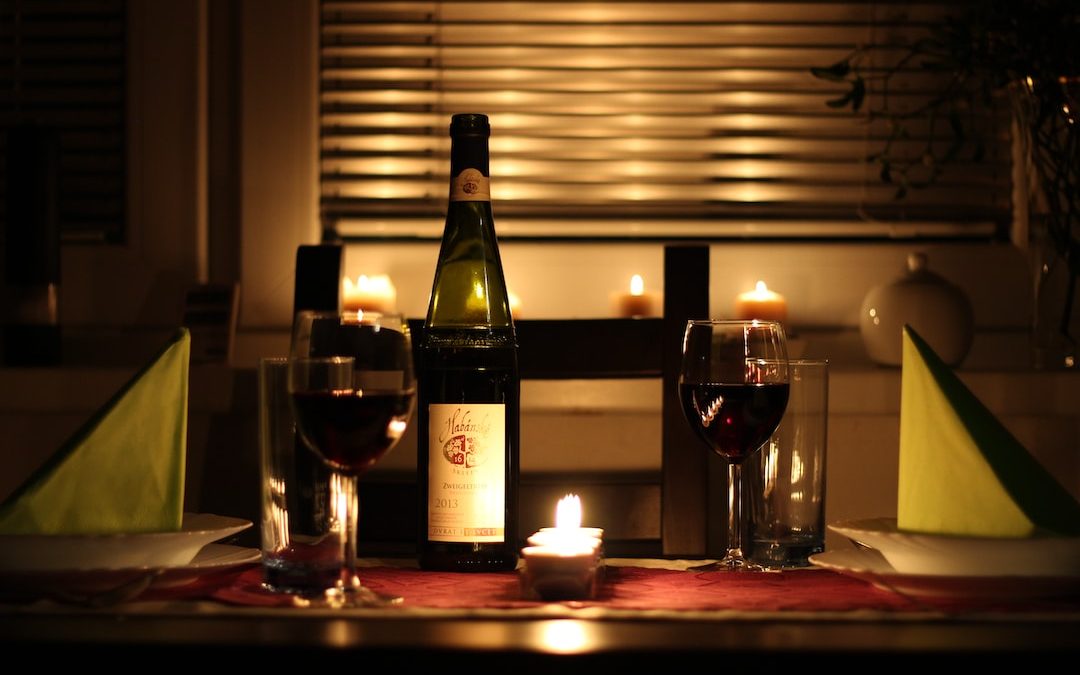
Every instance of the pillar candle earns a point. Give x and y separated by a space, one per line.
761 304
638 302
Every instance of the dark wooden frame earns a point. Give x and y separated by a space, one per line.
687 492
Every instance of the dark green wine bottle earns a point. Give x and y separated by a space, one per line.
467 447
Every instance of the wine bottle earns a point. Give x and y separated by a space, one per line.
467 442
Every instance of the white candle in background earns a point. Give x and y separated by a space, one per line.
762 304
638 302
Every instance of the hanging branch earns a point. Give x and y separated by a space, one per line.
980 53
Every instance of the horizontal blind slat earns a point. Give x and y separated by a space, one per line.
63 67
660 109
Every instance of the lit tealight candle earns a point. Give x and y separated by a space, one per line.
638 302
761 304
562 562
370 294
568 531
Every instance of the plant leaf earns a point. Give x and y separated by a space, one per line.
858 94
834 73
839 102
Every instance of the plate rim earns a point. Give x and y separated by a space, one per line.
253 556
890 528
934 555
117 551
85 585
877 571
192 524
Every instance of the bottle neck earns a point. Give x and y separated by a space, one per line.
469 173
469 289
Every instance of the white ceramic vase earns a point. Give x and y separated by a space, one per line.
938 311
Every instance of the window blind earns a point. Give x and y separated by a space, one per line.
62 69
634 119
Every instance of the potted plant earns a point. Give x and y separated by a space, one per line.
1025 53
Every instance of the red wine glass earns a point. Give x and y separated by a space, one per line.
733 388
352 388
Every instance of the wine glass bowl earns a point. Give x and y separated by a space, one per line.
352 387
733 388
349 427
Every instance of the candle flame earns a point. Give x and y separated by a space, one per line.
637 285
379 283
761 292
568 512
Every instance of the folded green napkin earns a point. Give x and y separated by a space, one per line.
123 471
961 471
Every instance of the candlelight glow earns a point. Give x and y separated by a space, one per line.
564 636
638 302
375 293
568 512
761 303
515 304
379 283
396 428
338 496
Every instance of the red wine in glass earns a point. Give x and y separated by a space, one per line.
352 429
733 388
734 419
352 385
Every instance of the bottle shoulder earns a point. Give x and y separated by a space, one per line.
458 337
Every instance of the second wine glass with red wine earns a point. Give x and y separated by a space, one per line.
733 387
352 388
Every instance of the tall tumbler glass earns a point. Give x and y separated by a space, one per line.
300 551
785 481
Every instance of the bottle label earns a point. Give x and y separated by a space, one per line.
470 186
466 472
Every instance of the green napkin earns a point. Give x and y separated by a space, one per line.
123 471
961 471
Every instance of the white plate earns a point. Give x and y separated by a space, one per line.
941 555
61 552
106 586
870 566
211 559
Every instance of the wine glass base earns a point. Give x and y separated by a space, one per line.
729 564
359 596
362 596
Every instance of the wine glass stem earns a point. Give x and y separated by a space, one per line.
348 507
734 542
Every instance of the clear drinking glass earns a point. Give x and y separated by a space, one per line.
733 387
785 480
352 388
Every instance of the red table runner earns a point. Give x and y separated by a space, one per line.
626 588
